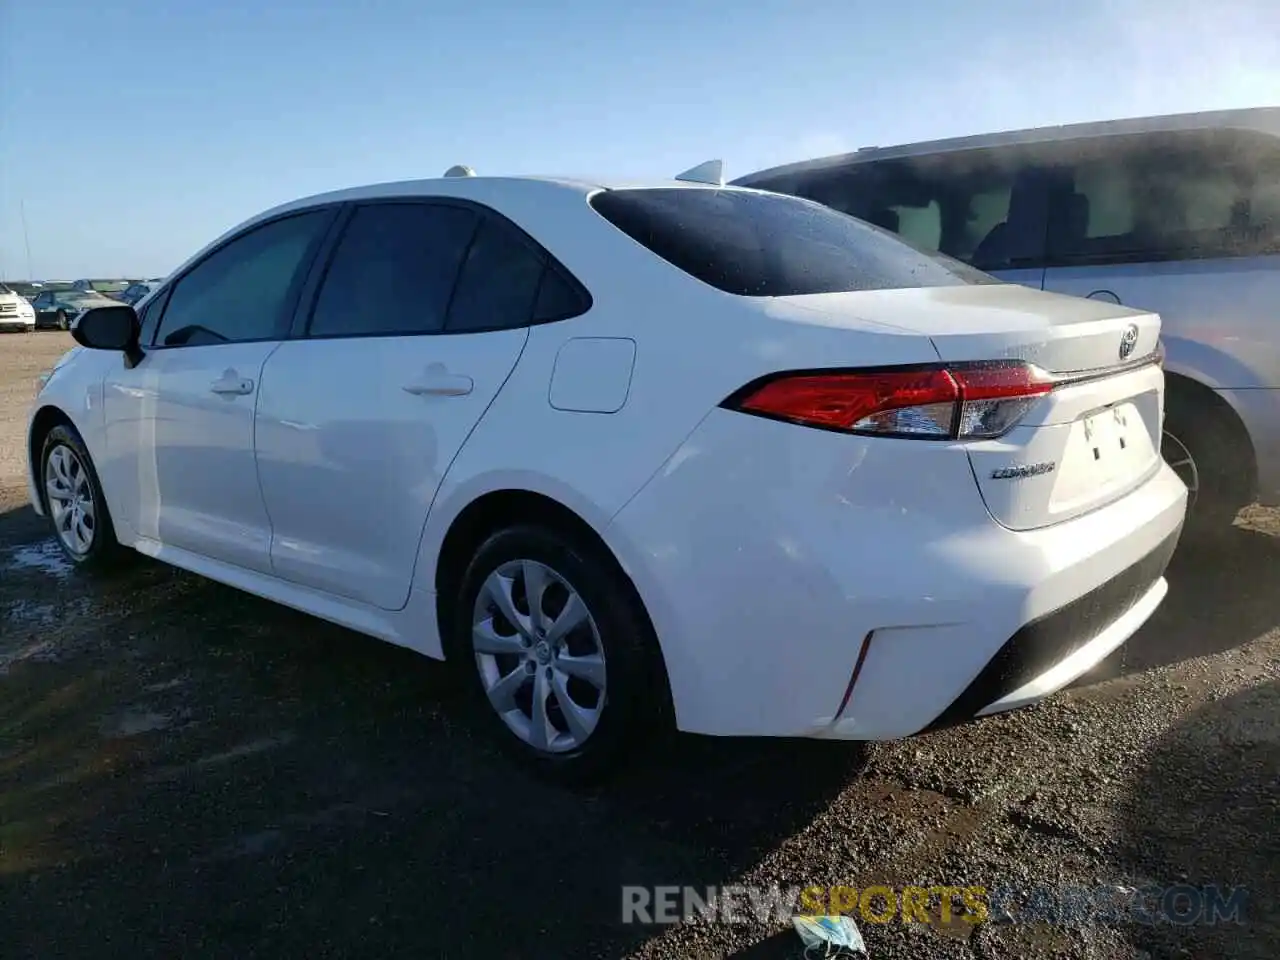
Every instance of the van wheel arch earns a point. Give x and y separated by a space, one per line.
1215 437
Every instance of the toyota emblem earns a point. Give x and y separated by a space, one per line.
1128 341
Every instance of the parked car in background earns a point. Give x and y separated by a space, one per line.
632 453
27 289
59 308
15 312
136 291
108 288
1176 214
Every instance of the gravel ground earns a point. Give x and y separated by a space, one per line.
186 770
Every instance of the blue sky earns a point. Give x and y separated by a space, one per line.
133 132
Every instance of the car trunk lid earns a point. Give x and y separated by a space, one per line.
1089 441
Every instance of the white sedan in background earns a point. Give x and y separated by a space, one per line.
16 313
632 453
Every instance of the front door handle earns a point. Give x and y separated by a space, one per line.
230 385
440 385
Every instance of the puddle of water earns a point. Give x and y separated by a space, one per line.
131 723
41 651
166 685
29 612
247 749
45 557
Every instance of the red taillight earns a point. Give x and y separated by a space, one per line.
938 403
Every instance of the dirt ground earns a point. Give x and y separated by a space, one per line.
188 771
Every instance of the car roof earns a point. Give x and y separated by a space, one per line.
1265 119
483 189
545 191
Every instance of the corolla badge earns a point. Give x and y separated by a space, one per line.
1128 340
1023 471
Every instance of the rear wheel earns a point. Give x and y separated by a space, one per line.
1209 451
74 502
561 656
62 320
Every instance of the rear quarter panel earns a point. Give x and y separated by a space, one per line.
693 347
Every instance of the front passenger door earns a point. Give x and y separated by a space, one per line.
180 424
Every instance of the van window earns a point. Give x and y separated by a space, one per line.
980 207
1161 197
921 225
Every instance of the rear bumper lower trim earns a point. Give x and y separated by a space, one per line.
1044 643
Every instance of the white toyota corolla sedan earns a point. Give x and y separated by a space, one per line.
632 453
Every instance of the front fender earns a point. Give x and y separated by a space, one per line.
72 392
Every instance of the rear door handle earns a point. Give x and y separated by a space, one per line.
230 385
440 385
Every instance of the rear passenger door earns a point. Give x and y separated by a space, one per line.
405 339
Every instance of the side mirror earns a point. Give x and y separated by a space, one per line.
110 328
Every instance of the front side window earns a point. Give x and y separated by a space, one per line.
149 318
244 290
767 245
393 271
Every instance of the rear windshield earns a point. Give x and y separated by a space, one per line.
766 245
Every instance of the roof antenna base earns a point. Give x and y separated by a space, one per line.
460 170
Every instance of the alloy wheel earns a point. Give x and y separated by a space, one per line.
70 493
538 651
1182 463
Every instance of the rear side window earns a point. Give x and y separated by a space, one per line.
393 270
498 282
766 245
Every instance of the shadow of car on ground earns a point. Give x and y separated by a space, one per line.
188 770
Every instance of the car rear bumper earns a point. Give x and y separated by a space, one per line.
1051 651
812 584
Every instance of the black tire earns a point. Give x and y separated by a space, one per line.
61 319
1219 473
634 704
104 553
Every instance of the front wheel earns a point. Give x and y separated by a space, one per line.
63 324
561 654
74 502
